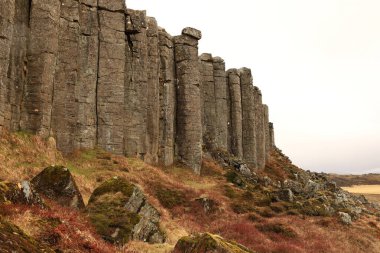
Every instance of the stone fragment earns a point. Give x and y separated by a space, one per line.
57 183
167 95
189 122
236 113
192 32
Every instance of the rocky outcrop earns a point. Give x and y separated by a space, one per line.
120 212
57 183
208 243
94 73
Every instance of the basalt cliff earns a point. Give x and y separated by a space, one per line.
95 73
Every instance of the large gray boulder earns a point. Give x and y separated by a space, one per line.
57 183
120 212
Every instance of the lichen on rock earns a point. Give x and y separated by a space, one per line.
57 183
120 212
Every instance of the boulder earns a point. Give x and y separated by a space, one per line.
208 243
345 218
21 193
57 183
120 212
209 205
286 195
295 186
13 239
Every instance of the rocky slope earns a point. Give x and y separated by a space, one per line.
278 209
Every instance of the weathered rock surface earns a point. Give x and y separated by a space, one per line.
21 193
250 154
208 243
189 123
94 73
120 212
236 113
13 239
57 183
167 90
208 100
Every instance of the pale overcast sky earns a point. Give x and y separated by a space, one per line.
317 63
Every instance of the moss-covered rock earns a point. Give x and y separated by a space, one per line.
57 183
208 243
21 193
120 212
13 239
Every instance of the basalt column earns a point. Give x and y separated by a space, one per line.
236 113
222 109
266 133
64 111
189 122
167 99
6 31
259 129
42 60
153 101
208 105
110 87
85 90
17 67
136 78
271 136
248 117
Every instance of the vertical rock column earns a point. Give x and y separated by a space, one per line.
222 109
17 68
207 86
110 87
6 31
64 110
248 117
136 79
236 113
271 136
266 133
167 99
153 101
259 129
85 90
189 122
42 59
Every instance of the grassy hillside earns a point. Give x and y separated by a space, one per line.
247 215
